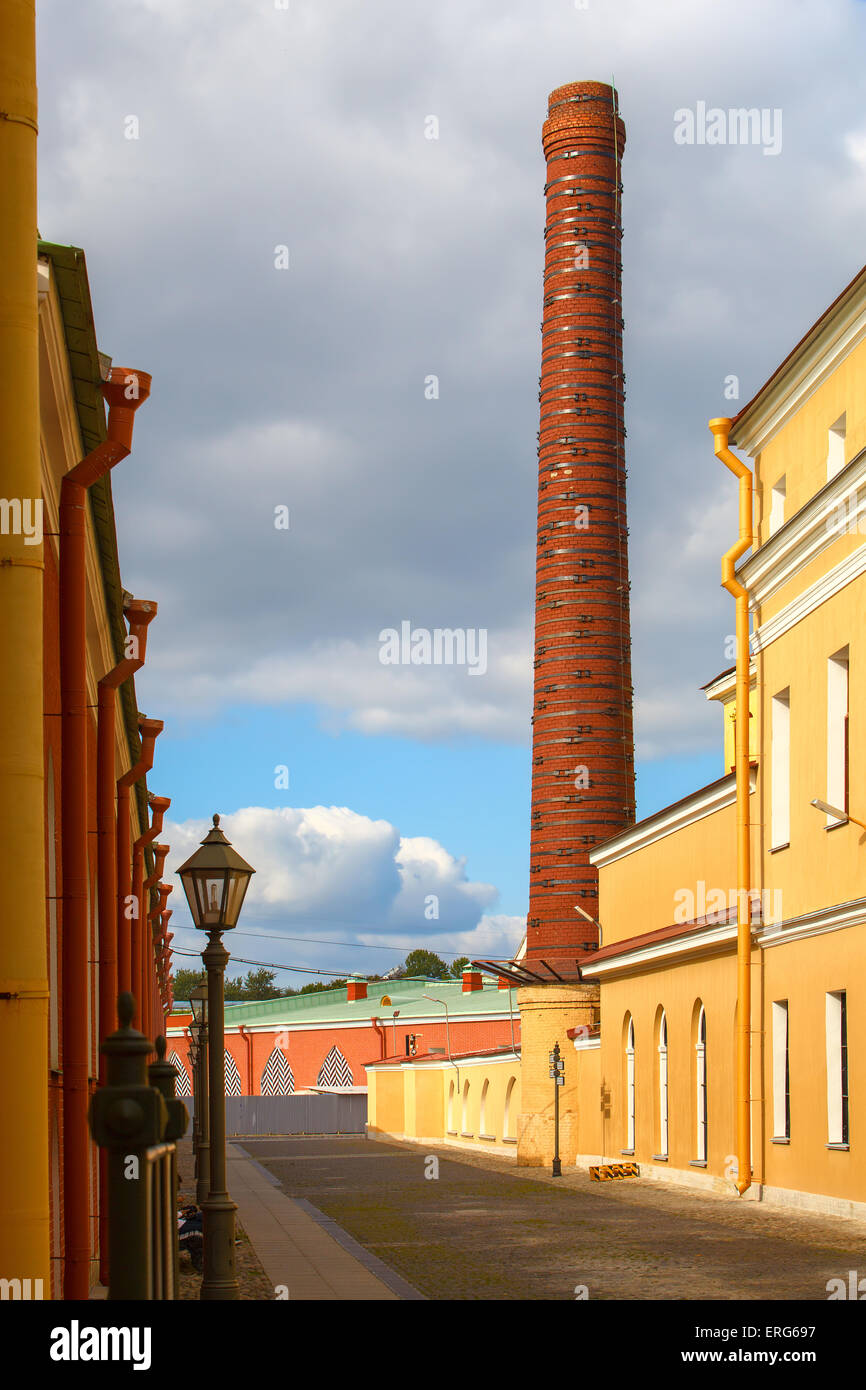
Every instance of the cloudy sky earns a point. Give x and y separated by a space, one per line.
271 233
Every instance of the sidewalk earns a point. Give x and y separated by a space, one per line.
300 1249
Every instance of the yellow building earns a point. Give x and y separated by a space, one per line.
658 1082
668 886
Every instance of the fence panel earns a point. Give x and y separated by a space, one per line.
303 1114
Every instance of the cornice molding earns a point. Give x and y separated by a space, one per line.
707 939
809 532
831 583
824 919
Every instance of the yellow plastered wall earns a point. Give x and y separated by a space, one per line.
426 1102
680 992
803 972
644 891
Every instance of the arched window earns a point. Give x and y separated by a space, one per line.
181 1085
701 1085
482 1116
451 1129
629 1085
464 1114
508 1125
663 1085
233 1076
335 1070
277 1077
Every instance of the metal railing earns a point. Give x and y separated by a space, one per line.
136 1118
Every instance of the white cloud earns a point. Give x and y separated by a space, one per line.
326 873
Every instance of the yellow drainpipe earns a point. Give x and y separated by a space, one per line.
24 1249
721 429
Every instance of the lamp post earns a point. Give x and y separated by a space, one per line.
215 880
198 1004
557 1071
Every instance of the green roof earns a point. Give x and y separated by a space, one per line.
70 276
407 995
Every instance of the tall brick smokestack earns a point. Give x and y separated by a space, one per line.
582 745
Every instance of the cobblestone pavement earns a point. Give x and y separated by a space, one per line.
488 1230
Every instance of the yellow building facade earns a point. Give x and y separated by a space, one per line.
668 886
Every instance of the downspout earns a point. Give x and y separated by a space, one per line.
165 962
720 429
160 854
24 1174
140 934
382 1041
124 392
149 729
138 613
249 1044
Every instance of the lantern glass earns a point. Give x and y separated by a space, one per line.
198 1004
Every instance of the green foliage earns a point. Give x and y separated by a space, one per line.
185 982
458 966
422 962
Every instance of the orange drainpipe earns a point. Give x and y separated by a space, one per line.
124 391
249 1042
160 854
154 934
140 934
382 1040
138 613
149 729
721 429
142 938
162 960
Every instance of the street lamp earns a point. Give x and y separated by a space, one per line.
215 880
198 1004
557 1072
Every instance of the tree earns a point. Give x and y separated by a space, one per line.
316 986
422 962
259 984
184 982
458 966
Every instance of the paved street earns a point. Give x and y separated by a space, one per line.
485 1230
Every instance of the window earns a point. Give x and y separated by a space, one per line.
777 505
781 1072
837 1067
780 770
663 1086
629 1085
451 1129
482 1117
701 1089
508 1126
836 448
464 1115
837 734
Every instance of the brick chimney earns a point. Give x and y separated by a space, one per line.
356 989
582 742
472 979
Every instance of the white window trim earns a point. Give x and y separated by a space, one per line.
780 1069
